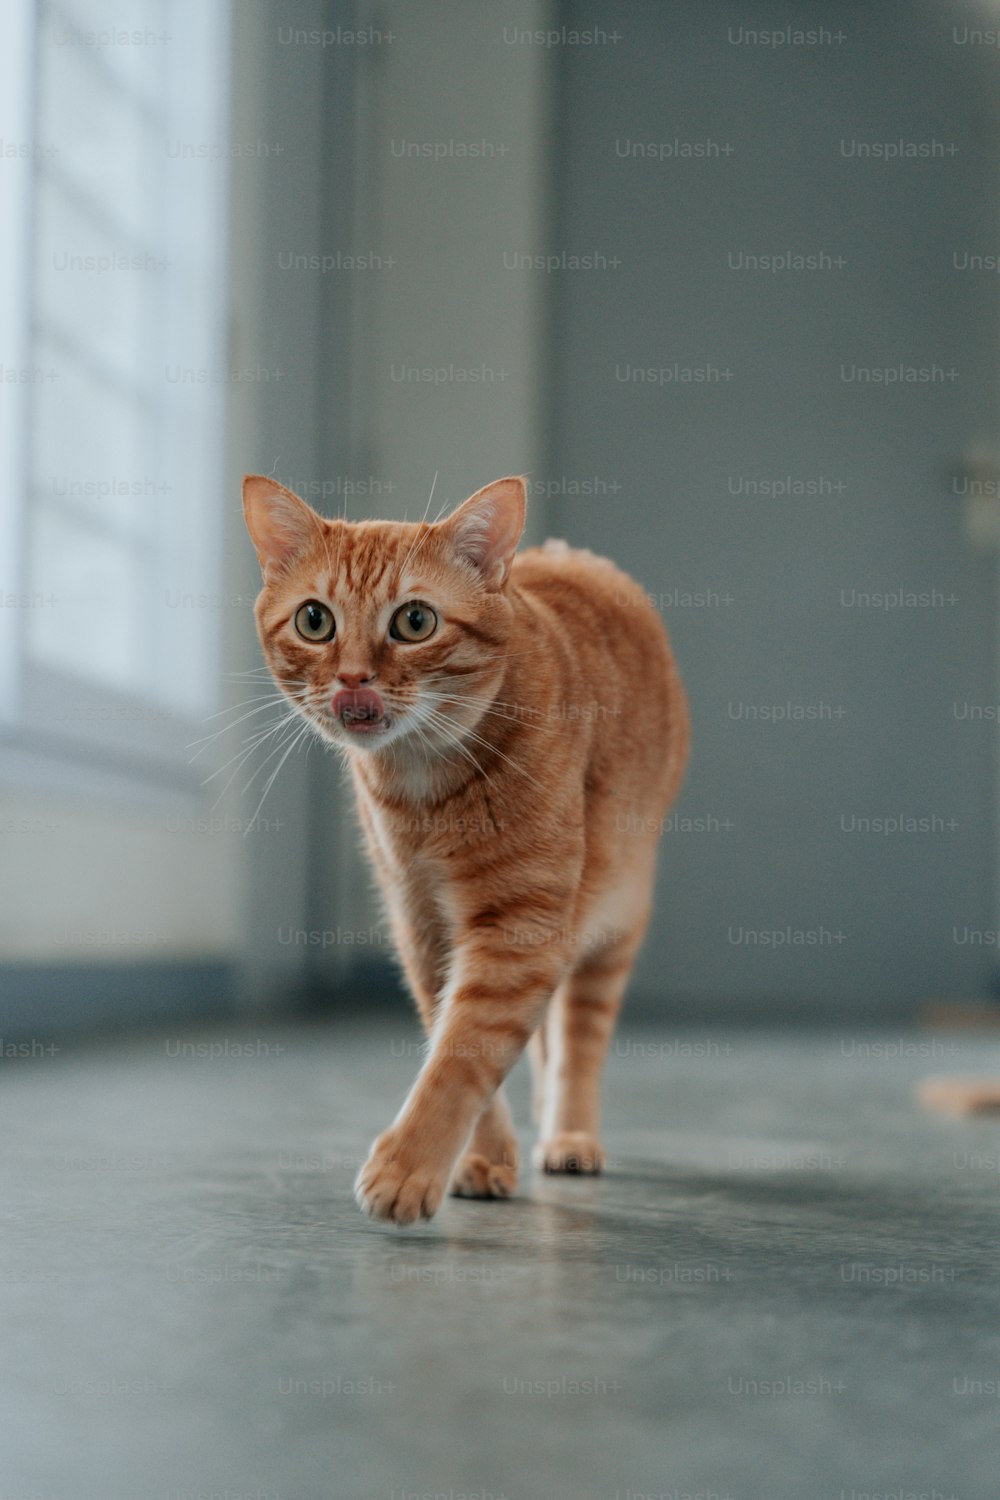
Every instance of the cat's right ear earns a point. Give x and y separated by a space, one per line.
281 525
485 530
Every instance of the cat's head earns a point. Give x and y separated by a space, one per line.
384 632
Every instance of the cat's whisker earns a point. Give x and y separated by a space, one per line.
208 739
475 701
447 731
248 672
507 713
232 707
240 763
421 737
453 734
252 743
322 528
259 677
483 713
511 713
454 743
419 540
487 744
296 740
287 729
249 742
430 497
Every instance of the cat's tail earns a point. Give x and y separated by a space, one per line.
557 546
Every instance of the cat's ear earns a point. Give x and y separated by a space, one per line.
280 524
486 529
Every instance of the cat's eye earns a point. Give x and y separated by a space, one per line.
314 622
413 622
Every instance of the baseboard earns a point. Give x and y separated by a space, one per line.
46 1001
374 988
40 1000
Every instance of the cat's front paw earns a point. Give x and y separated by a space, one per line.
477 1177
395 1183
570 1151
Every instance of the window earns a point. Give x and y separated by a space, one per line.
113 329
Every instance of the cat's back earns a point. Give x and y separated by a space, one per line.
608 660
579 585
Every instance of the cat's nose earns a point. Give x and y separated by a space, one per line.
355 679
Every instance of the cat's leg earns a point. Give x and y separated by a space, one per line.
581 1024
421 947
488 1166
582 1019
492 1005
418 934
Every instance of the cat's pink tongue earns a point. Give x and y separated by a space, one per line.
358 709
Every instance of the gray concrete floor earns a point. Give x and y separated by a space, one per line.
785 1286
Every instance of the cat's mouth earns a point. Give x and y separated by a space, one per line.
360 710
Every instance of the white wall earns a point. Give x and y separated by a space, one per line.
103 868
94 877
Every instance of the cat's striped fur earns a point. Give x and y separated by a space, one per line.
512 777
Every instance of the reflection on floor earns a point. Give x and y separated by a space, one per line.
785 1286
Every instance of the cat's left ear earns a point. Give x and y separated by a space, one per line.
280 524
486 529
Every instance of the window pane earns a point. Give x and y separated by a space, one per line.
88 620
127 39
89 288
129 246
91 447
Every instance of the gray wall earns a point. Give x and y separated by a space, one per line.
775 855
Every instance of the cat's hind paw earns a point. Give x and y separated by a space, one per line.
570 1151
475 1177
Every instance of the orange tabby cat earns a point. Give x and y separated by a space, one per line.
503 717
